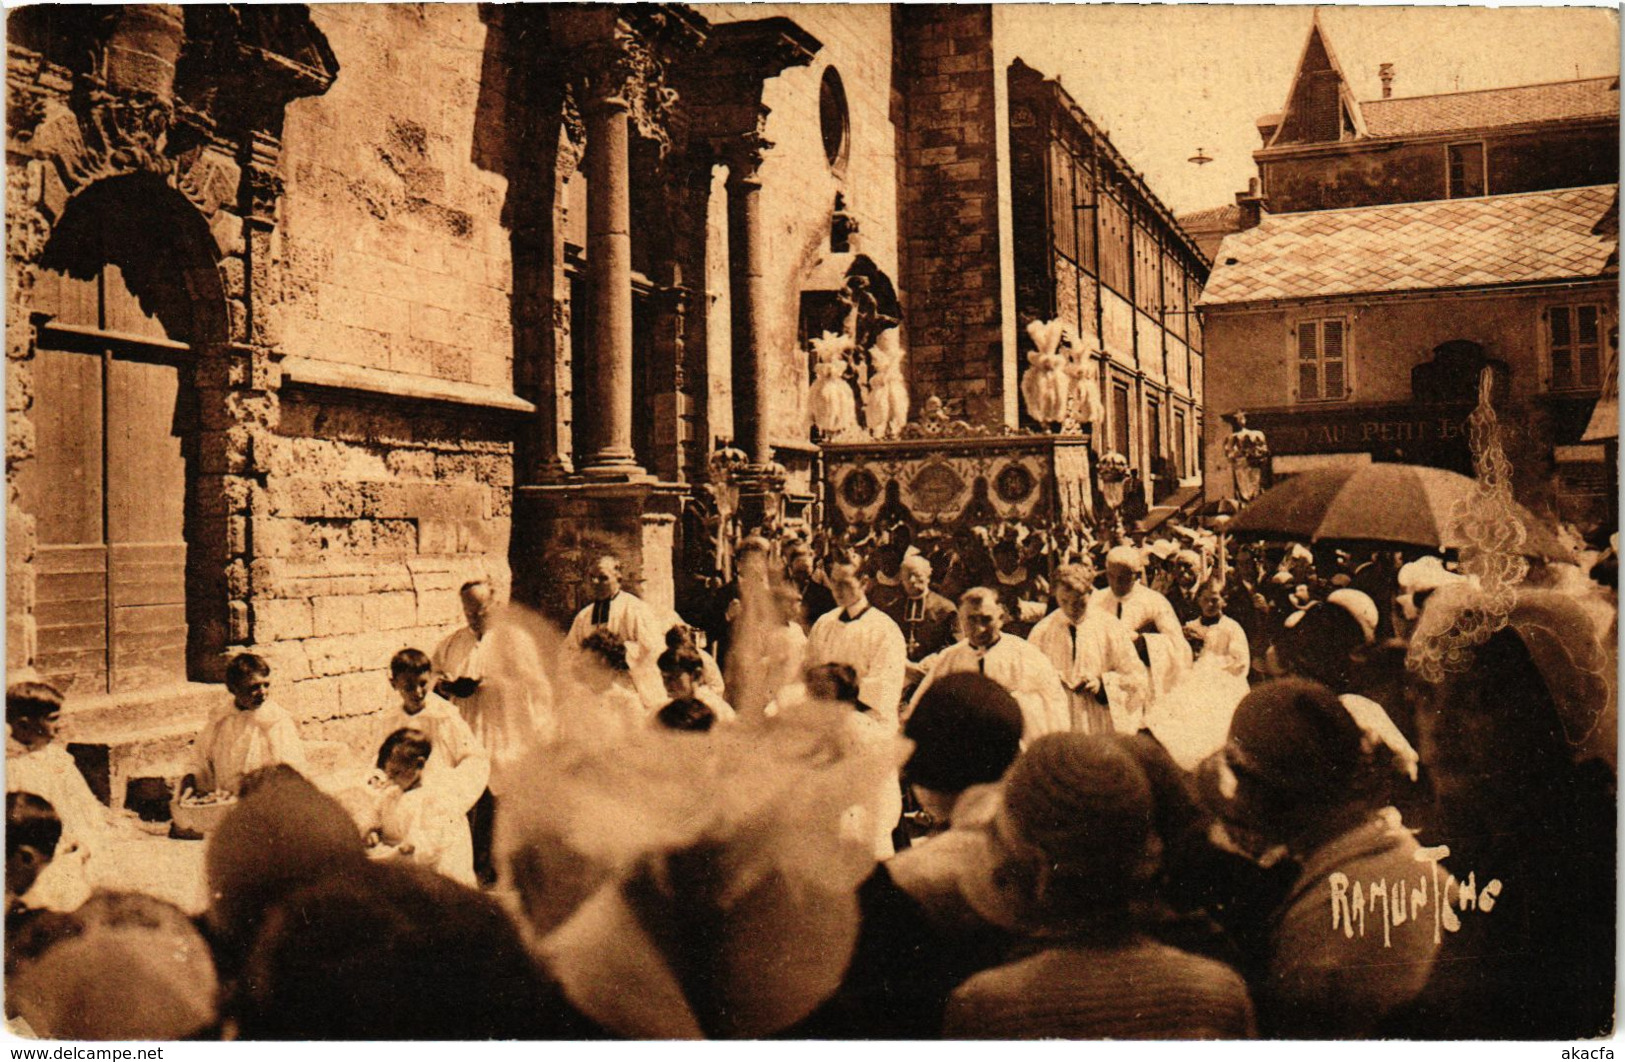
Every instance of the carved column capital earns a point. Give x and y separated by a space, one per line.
722 88
620 56
745 151
262 157
572 143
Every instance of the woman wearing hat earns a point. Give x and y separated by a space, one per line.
1072 860
1518 737
1305 773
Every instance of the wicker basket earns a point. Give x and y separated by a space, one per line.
199 818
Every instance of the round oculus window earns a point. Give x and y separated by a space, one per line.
833 120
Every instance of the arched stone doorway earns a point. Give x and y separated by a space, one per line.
127 301
143 149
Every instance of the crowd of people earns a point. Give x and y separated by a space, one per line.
1200 791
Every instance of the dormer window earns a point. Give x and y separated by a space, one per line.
1465 170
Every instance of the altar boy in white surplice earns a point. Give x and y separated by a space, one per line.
1092 652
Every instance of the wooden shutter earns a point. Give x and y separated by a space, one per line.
1331 359
1083 195
1587 345
1153 431
1120 420
1561 330
1062 211
1308 361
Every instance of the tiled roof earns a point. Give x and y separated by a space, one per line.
1228 216
1419 115
1452 243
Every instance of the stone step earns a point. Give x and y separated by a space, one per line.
93 719
145 767
146 736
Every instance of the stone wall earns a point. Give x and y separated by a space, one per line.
393 253
395 265
799 184
950 208
375 516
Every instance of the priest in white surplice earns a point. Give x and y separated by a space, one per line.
499 710
1093 654
628 618
862 637
1150 619
1010 661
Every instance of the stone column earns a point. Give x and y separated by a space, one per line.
605 414
747 250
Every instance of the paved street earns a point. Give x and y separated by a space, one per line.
154 864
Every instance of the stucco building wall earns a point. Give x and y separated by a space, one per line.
1387 339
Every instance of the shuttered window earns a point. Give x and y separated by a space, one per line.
1465 166
1322 360
1084 195
1574 336
1120 421
1115 256
1063 206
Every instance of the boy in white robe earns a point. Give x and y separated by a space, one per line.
37 763
408 821
1092 652
1224 643
459 767
865 639
1010 661
254 732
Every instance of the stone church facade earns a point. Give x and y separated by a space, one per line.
316 313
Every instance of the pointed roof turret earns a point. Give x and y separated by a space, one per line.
1320 106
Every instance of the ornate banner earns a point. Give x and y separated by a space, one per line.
1039 480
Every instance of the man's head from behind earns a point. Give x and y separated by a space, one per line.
966 731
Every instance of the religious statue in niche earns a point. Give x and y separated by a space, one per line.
831 402
863 322
1247 451
886 406
1045 384
1084 405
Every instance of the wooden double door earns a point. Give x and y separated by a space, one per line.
107 488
